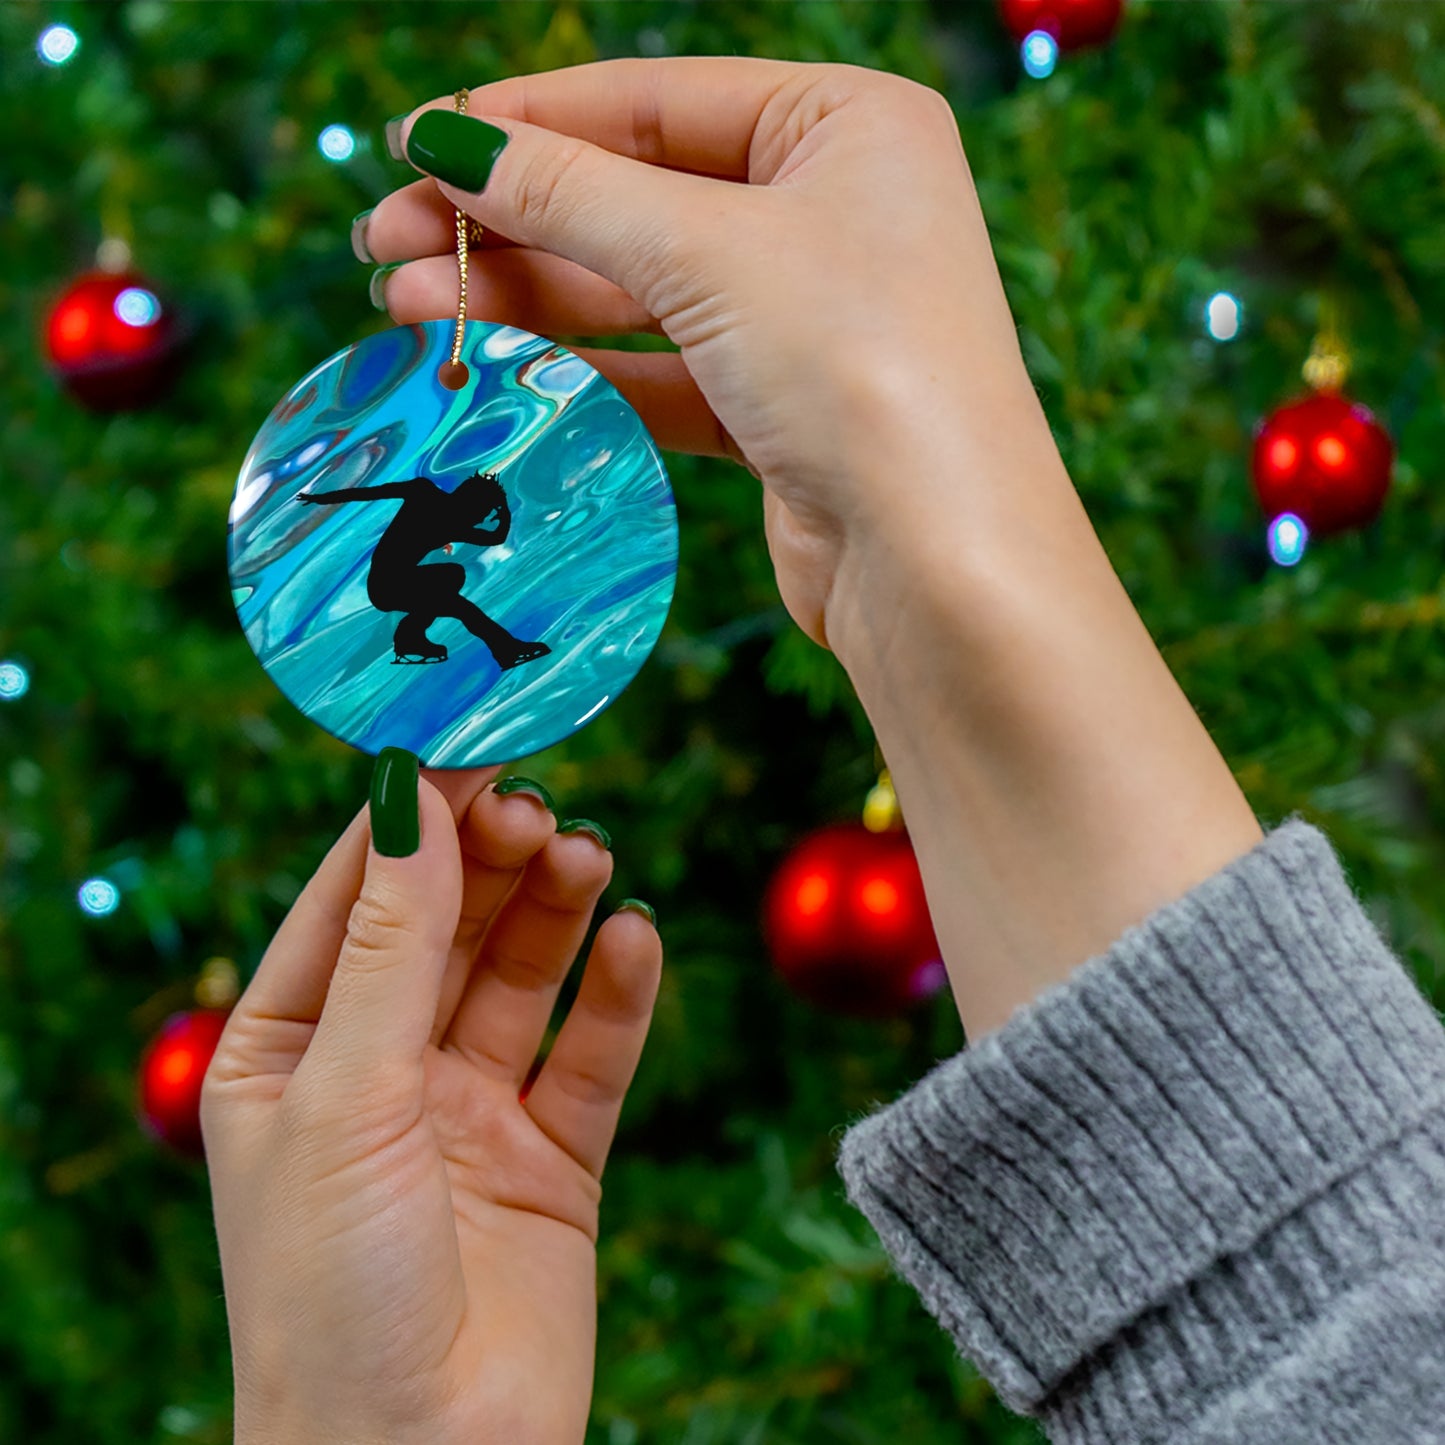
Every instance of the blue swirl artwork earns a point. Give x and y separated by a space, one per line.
471 575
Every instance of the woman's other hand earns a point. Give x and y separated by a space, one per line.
407 1242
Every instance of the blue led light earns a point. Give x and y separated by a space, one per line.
14 681
1223 316
57 44
337 143
98 897
137 306
1040 53
1287 538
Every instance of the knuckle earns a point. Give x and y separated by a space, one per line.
374 934
842 75
518 970
586 1086
934 104
919 100
226 1068
407 293
893 93
542 188
649 142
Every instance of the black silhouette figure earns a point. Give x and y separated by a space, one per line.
475 512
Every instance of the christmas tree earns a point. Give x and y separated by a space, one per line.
1277 163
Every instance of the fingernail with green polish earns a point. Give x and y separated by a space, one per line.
455 148
359 248
529 786
377 287
636 905
395 811
393 137
586 825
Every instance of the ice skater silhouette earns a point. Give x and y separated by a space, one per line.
475 512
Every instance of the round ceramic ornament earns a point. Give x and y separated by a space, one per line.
471 574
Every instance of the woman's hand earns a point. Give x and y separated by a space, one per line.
406 1234
808 235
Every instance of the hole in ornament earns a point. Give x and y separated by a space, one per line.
453 375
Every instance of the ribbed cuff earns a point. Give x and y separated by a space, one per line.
1130 1175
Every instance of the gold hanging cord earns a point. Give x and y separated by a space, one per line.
469 233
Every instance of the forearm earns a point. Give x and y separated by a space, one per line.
1057 784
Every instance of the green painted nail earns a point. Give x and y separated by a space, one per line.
636 905
393 137
586 825
455 148
395 811
525 785
377 289
359 248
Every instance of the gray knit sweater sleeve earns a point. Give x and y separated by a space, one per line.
1195 1193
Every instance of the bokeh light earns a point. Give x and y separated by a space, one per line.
98 897
1281 455
930 977
57 44
1223 316
1288 536
812 895
879 897
14 681
137 307
1040 53
336 143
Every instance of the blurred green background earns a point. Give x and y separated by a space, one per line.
1287 153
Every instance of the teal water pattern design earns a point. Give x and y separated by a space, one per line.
588 567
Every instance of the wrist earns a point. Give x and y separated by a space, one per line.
1057 783
950 516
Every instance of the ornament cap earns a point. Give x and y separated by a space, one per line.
1327 367
218 985
881 813
113 254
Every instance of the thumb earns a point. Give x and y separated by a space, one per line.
382 1000
640 226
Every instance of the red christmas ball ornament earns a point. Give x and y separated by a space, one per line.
1324 458
847 923
112 341
1073 23
171 1072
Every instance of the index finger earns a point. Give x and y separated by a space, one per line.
685 112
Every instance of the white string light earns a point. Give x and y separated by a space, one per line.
336 143
14 681
98 897
57 44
